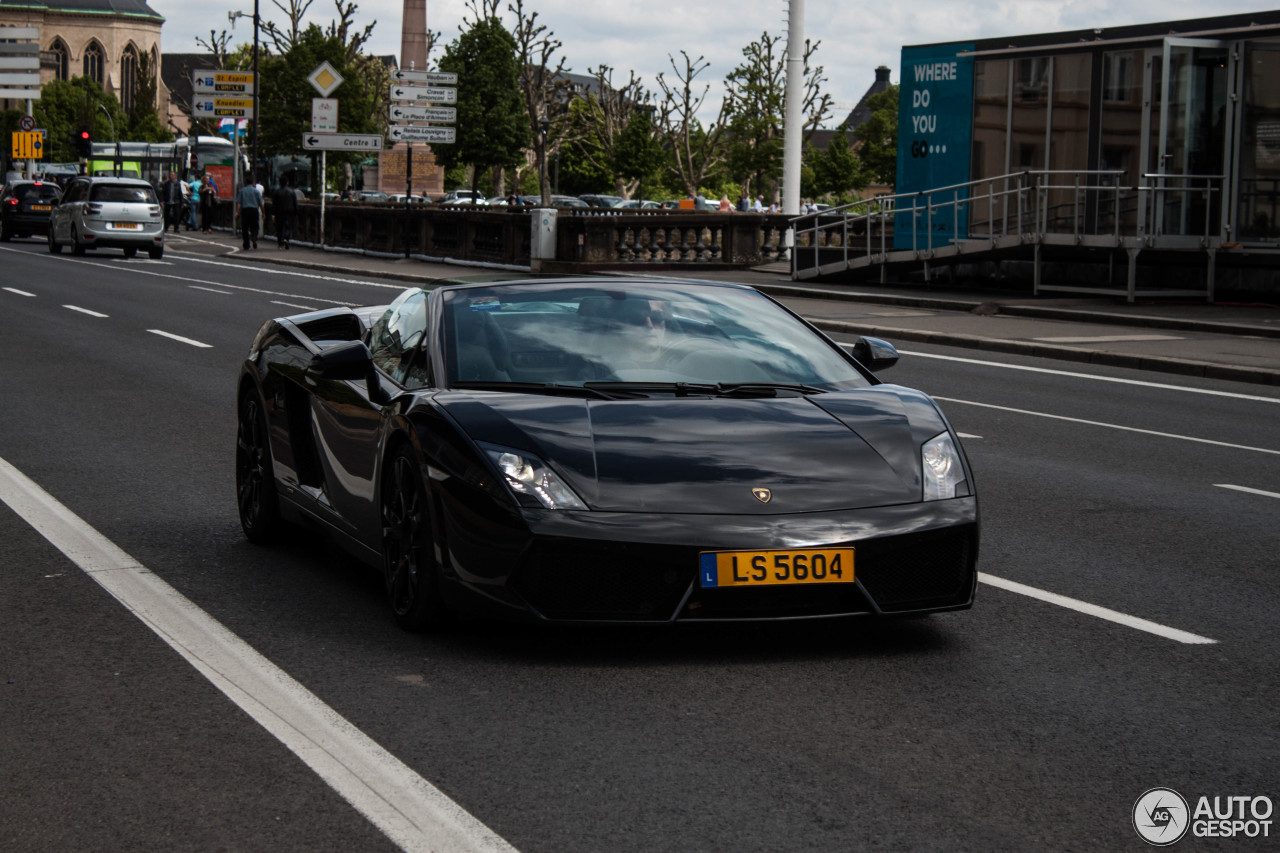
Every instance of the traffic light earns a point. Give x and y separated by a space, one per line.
83 140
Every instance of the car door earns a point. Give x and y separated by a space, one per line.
65 211
349 417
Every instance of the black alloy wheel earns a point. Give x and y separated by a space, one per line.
255 483
407 546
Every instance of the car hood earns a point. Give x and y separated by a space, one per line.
838 450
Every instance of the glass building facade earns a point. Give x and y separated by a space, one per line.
1188 110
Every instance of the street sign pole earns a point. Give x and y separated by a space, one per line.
324 188
408 195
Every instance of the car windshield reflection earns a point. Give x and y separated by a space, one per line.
637 340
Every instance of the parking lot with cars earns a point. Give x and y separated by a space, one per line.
169 683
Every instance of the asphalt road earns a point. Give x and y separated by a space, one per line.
1022 724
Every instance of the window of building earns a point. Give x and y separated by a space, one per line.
128 78
61 60
94 62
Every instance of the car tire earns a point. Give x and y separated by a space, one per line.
5 236
408 549
77 248
155 254
255 478
130 252
54 246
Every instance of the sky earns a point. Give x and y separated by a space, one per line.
640 35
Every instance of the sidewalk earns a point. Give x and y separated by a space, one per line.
1217 341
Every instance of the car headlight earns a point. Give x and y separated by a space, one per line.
943 473
532 482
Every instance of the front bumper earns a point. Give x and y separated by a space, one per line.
591 567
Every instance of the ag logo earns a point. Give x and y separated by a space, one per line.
1161 816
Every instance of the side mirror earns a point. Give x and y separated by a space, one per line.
874 354
347 360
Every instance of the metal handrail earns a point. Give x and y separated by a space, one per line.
1027 195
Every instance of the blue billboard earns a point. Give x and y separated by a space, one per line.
935 126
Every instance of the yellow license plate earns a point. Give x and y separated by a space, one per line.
127 226
774 568
40 207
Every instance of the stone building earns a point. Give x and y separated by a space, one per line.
102 39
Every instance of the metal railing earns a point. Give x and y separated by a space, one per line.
1019 208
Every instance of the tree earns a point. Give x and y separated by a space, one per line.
638 152
877 138
605 114
756 91
66 106
143 124
492 125
544 86
284 99
695 151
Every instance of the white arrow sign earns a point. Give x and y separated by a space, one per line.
439 115
230 83
434 94
342 142
434 135
431 78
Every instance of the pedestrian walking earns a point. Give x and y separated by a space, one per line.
285 205
193 205
208 200
248 211
171 194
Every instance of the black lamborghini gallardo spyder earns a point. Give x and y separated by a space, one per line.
585 450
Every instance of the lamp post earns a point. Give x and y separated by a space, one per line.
543 126
115 139
231 16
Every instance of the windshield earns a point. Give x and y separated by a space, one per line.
122 193
643 334
36 192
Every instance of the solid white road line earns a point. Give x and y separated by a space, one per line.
1111 426
210 290
84 310
1106 339
172 336
412 812
1092 376
1094 610
293 305
19 292
1249 490
968 435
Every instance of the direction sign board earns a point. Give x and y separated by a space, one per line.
433 135
431 78
434 94
342 142
230 83
208 106
27 123
439 115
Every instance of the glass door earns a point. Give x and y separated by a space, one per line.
1196 117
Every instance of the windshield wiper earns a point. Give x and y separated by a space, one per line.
550 388
765 389
679 389
707 389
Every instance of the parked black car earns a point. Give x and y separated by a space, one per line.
25 206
